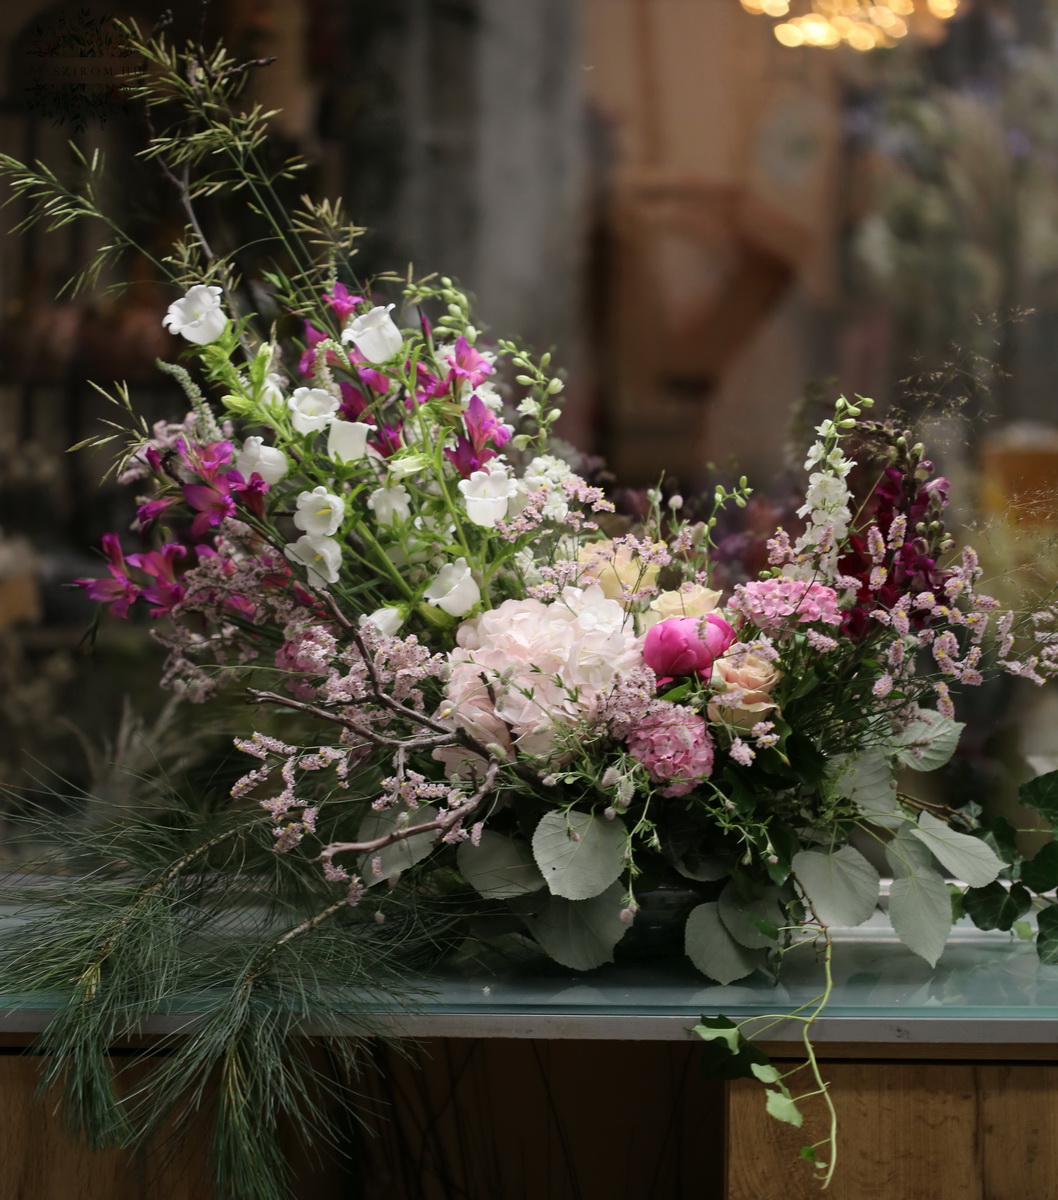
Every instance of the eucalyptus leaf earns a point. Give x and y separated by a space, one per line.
783 1108
868 781
928 742
580 934
752 922
713 950
919 903
966 857
498 867
578 853
397 856
841 884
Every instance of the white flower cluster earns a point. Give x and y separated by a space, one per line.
827 507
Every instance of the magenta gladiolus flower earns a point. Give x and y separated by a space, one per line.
686 645
119 591
342 301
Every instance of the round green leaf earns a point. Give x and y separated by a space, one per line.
498 867
578 853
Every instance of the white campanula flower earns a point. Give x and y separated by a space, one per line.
321 556
455 590
406 464
311 409
347 440
319 512
487 494
390 505
375 335
257 458
387 620
198 316
272 388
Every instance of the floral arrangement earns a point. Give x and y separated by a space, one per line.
467 687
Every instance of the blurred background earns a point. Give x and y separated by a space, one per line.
718 213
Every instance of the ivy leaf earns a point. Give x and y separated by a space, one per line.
1047 935
919 904
1002 837
783 1108
498 867
719 1029
1023 929
713 950
996 907
842 885
1041 794
752 922
968 858
928 742
578 853
1041 873
580 934
397 856
726 1054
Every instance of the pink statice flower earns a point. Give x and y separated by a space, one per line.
675 747
772 604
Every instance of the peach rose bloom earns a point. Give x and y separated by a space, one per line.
614 570
696 601
756 677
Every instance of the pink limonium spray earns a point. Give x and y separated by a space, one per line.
686 645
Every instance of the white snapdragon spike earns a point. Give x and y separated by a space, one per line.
486 392
390 504
387 620
321 556
311 409
375 335
257 458
547 471
198 316
487 494
455 590
347 440
319 512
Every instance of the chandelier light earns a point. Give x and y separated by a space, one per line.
861 24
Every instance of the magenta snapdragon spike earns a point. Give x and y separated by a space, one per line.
119 591
387 441
467 364
483 428
368 376
342 301
151 510
205 460
428 386
353 406
213 504
249 492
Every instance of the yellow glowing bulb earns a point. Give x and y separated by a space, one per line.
776 8
944 9
752 6
861 38
789 35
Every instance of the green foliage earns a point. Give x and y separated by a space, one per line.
1047 935
995 906
1040 873
1041 794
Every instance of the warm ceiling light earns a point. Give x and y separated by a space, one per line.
861 24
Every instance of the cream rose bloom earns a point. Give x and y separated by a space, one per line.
696 601
615 570
756 677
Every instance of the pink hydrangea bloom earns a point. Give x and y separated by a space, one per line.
526 667
772 604
675 747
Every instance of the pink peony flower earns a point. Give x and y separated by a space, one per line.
675 747
686 645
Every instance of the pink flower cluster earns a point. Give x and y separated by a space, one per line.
772 603
674 746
